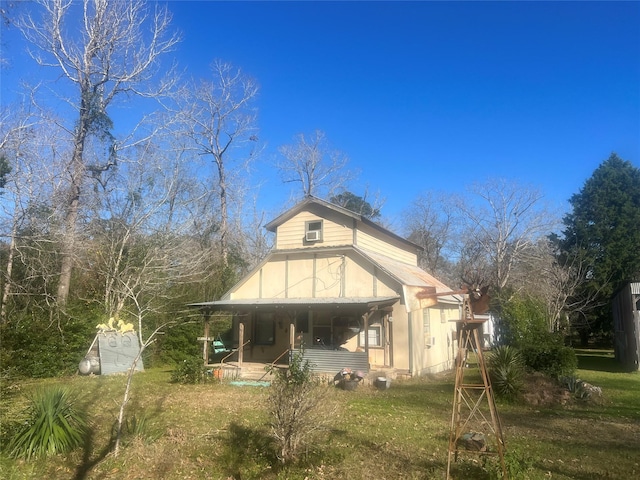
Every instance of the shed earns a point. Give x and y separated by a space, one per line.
626 323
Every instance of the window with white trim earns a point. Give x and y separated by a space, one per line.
375 336
426 327
313 231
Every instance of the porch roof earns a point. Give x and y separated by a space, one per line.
324 303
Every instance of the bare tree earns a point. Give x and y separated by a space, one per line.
320 170
500 221
143 232
429 223
103 52
221 122
29 144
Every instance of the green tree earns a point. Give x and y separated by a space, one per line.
5 169
356 204
602 233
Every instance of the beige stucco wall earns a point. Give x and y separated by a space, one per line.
316 275
438 356
400 335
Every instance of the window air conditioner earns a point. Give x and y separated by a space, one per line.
313 235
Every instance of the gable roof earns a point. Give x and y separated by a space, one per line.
310 200
411 278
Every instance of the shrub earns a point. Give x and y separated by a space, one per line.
550 357
190 370
35 348
54 425
297 407
506 370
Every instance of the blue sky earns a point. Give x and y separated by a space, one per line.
430 96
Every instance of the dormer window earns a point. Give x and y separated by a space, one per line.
313 231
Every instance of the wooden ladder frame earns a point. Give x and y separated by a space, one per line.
471 396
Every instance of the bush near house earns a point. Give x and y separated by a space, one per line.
298 408
549 356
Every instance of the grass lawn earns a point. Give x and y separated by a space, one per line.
219 431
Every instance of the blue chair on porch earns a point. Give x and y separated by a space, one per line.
219 346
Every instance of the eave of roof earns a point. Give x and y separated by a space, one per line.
328 302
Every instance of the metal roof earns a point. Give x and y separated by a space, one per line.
406 274
328 302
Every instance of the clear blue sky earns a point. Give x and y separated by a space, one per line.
432 95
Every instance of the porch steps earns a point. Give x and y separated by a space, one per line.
248 371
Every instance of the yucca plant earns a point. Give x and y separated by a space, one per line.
506 370
54 425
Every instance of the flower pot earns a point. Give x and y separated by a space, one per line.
382 383
349 384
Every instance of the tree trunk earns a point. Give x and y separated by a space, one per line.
73 202
224 214
6 291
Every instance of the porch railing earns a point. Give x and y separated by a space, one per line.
269 368
233 352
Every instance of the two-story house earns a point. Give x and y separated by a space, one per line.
346 289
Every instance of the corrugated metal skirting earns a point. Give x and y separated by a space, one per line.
332 361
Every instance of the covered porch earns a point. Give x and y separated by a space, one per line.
332 333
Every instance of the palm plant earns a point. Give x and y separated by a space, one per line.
506 370
54 425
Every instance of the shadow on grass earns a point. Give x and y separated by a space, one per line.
91 458
598 360
247 446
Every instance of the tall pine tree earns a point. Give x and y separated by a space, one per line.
602 233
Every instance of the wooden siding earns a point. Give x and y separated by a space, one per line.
369 239
336 230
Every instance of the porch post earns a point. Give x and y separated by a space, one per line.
292 335
365 319
386 339
205 349
240 343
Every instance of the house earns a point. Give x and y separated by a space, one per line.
626 325
347 291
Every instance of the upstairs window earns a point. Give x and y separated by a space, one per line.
313 231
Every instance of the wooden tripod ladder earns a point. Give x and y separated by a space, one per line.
471 430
